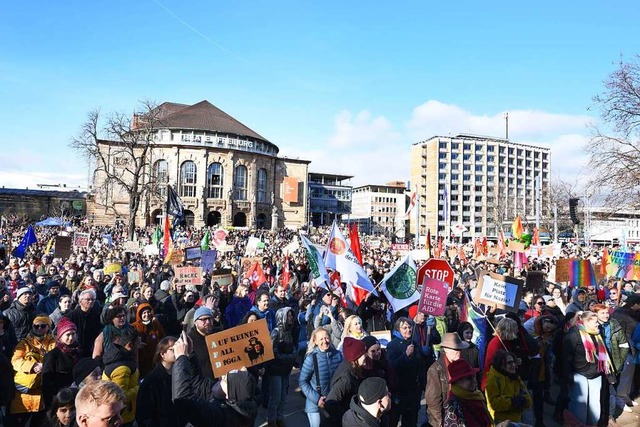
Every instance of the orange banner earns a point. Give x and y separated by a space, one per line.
290 189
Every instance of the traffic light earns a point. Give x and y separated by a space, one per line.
573 210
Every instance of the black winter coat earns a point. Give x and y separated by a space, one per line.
344 384
57 373
200 356
575 360
357 416
21 318
154 406
8 340
89 327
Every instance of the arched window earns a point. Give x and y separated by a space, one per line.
188 179
161 176
215 181
262 186
240 182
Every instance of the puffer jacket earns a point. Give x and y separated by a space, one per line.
21 317
120 368
283 345
618 346
28 353
328 362
344 385
499 391
8 340
151 335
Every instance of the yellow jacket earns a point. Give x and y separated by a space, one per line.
121 368
29 351
499 391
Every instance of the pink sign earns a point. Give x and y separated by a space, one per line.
433 299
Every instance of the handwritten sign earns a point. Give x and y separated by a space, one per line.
151 250
222 279
62 247
245 345
188 276
502 291
176 257
134 276
131 246
193 252
81 240
247 262
433 299
562 269
208 260
516 246
112 269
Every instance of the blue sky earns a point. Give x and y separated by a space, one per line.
348 85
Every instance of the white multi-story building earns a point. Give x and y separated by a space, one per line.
380 209
479 183
604 225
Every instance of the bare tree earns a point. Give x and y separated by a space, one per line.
119 145
558 195
615 154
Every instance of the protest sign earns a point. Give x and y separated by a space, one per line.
133 247
193 252
112 269
501 291
175 257
562 269
151 250
247 262
81 240
433 299
222 279
375 243
535 281
252 246
188 276
134 276
62 247
242 346
516 246
384 337
208 260
400 247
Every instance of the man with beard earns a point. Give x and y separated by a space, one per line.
22 312
203 326
87 319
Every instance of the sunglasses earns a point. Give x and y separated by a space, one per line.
541 303
40 326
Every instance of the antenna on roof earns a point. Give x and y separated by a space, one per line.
506 124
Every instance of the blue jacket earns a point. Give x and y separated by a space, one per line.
408 369
328 362
48 304
269 315
236 310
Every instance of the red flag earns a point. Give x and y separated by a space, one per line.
477 248
461 254
485 246
501 243
605 262
535 240
167 236
439 254
428 245
354 241
286 274
255 275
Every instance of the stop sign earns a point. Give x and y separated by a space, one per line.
438 269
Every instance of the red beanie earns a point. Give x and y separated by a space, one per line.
64 325
353 349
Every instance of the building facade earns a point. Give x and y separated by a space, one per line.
608 226
329 198
225 174
472 186
380 209
37 204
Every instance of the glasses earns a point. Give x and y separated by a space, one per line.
205 319
541 303
40 326
121 316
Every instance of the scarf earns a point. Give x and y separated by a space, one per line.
110 332
473 406
465 394
73 351
594 349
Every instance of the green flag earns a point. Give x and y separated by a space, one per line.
316 263
157 235
204 244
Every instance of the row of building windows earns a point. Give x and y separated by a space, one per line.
491 149
188 178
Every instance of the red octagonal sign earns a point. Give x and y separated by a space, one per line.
438 269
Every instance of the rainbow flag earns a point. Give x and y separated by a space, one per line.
634 271
581 273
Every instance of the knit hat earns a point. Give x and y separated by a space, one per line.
64 325
413 311
372 389
43 318
460 369
202 311
23 290
83 368
353 349
369 341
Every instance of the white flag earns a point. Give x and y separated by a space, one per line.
399 285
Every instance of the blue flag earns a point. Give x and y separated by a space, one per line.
28 240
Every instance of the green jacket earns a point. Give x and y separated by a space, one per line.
619 347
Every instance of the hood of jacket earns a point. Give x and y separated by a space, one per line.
281 318
574 297
115 354
258 313
141 308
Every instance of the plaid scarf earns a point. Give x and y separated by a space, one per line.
594 349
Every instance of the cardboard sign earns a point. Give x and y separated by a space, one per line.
535 281
151 250
62 247
384 337
433 299
400 247
374 244
133 247
502 291
81 240
208 260
112 269
194 252
562 269
222 279
188 276
242 346
176 257
247 262
134 276
516 246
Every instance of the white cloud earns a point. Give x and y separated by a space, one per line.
31 180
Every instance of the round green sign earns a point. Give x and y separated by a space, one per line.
403 283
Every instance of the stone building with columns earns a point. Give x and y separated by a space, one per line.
225 174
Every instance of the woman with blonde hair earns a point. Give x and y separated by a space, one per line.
352 328
320 363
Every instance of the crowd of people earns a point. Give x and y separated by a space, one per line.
79 346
